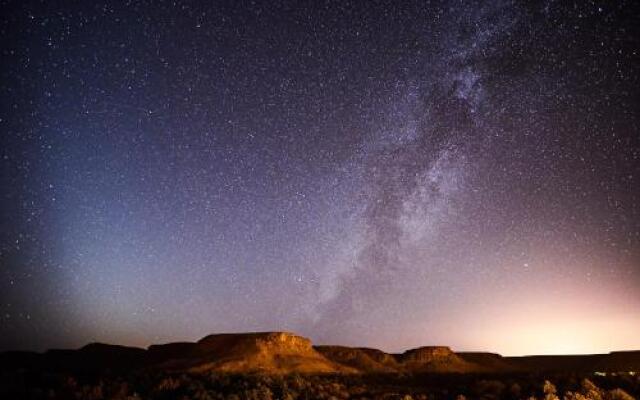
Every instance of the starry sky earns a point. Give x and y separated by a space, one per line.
386 174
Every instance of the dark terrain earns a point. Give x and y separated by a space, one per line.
283 365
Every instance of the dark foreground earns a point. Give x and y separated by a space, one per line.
203 386
280 365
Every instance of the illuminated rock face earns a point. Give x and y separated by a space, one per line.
271 352
261 342
427 354
284 342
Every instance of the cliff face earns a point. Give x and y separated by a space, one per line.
284 342
266 343
426 354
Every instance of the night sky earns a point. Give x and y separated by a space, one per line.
384 174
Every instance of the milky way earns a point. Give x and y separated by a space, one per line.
388 175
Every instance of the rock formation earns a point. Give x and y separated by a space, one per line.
283 353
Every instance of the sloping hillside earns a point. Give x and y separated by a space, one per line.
490 362
363 359
272 352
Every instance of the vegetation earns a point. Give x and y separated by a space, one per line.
219 386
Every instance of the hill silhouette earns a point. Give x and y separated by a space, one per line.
284 353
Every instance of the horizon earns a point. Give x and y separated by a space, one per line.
355 345
389 175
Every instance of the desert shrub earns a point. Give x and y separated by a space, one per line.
168 384
618 394
488 389
590 390
515 391
155 385
549 390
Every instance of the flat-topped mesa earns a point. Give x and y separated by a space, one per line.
269 352
263 342
427 354
439 359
